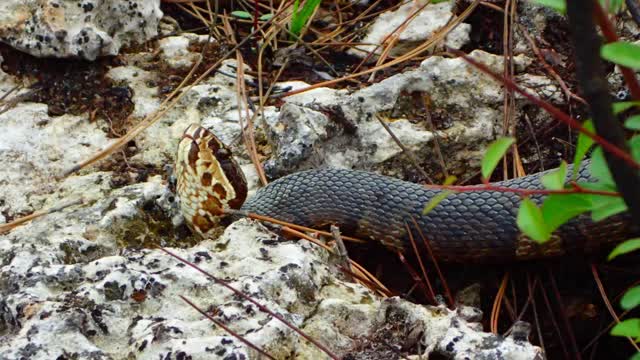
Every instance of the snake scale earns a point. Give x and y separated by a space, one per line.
466 226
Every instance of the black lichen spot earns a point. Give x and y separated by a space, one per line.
183 356
287 267
143 345
96 315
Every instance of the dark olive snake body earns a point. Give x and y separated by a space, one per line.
470 225
478 225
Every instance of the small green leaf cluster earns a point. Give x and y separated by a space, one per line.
561 5
245 15
539 222
631 299
300 17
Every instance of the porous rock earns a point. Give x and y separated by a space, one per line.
424 25
67 289
79 283
354 138
35 148
70 28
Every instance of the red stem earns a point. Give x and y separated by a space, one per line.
254 302
610 35
524 192
552 110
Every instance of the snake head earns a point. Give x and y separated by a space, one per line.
209 180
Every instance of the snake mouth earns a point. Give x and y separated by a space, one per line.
208 180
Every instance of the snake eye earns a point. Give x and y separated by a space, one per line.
223 154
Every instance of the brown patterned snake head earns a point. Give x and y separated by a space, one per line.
208 180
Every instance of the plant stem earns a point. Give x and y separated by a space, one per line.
610 35
594 88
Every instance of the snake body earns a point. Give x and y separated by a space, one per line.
477 225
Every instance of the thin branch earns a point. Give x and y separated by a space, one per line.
523 192
563 315
552 110
594 86
607 303
226 328
610 35
254 302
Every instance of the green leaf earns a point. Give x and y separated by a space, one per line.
636 356
583 145
621 106
557 209
435 201
633 123
450 180
634 145
629 328
265 17
614 5
554 180
599 168
299 18
557 5
241 14
603 206
622 53
531 223
606 206
495 152
624 248
631 298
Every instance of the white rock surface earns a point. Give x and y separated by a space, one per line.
66 289
176 52
423 26
76 284
72 28
471 100
34 149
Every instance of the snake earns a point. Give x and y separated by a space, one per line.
478 226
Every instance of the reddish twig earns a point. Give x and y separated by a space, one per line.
431 294
610 35
552 110
531 286
428 292
254 302
607 303
564 317
523 192
593 84
495 311
233 333
554 322
368 283
427 245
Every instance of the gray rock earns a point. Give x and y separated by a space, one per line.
70 28
423 26
84 282
471 101
34 149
